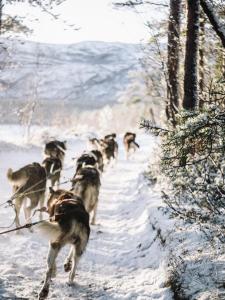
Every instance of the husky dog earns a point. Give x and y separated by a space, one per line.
110 139
129 143
93 158
53 167
95 143
86 159
69 224
28 182
55 149
86 184
109 149
99 159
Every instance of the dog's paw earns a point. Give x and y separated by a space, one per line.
68 266
43 293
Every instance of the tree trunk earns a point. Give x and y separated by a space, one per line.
1 8
201 59
190 100
173 63
219 28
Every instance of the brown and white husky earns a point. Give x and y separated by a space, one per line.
68 224
130 143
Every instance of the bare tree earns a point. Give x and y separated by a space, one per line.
190 100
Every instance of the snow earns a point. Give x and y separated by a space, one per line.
125 258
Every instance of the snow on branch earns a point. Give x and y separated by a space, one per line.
148 126
131 3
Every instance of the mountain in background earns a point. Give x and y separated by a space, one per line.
87 74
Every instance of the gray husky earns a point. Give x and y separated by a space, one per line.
86 184
68 224
28 182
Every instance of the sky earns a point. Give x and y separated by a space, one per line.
96 20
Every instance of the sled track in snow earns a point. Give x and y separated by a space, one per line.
122 260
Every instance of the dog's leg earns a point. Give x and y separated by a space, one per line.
54 270
58 182
93 221
79 248
41 204
25 208
33 204
52 254
128 153
18 204
52 182
68 262
74 264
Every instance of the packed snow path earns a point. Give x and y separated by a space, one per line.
123 260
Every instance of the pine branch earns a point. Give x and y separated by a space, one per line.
148 126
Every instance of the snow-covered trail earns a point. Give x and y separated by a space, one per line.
123 260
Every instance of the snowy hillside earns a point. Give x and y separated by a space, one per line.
84 74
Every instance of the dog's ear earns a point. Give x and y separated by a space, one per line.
51 190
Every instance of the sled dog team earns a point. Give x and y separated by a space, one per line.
68 211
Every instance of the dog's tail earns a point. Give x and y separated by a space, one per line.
19 177
10 174
136 144
50 230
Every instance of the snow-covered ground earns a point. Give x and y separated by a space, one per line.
125 256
